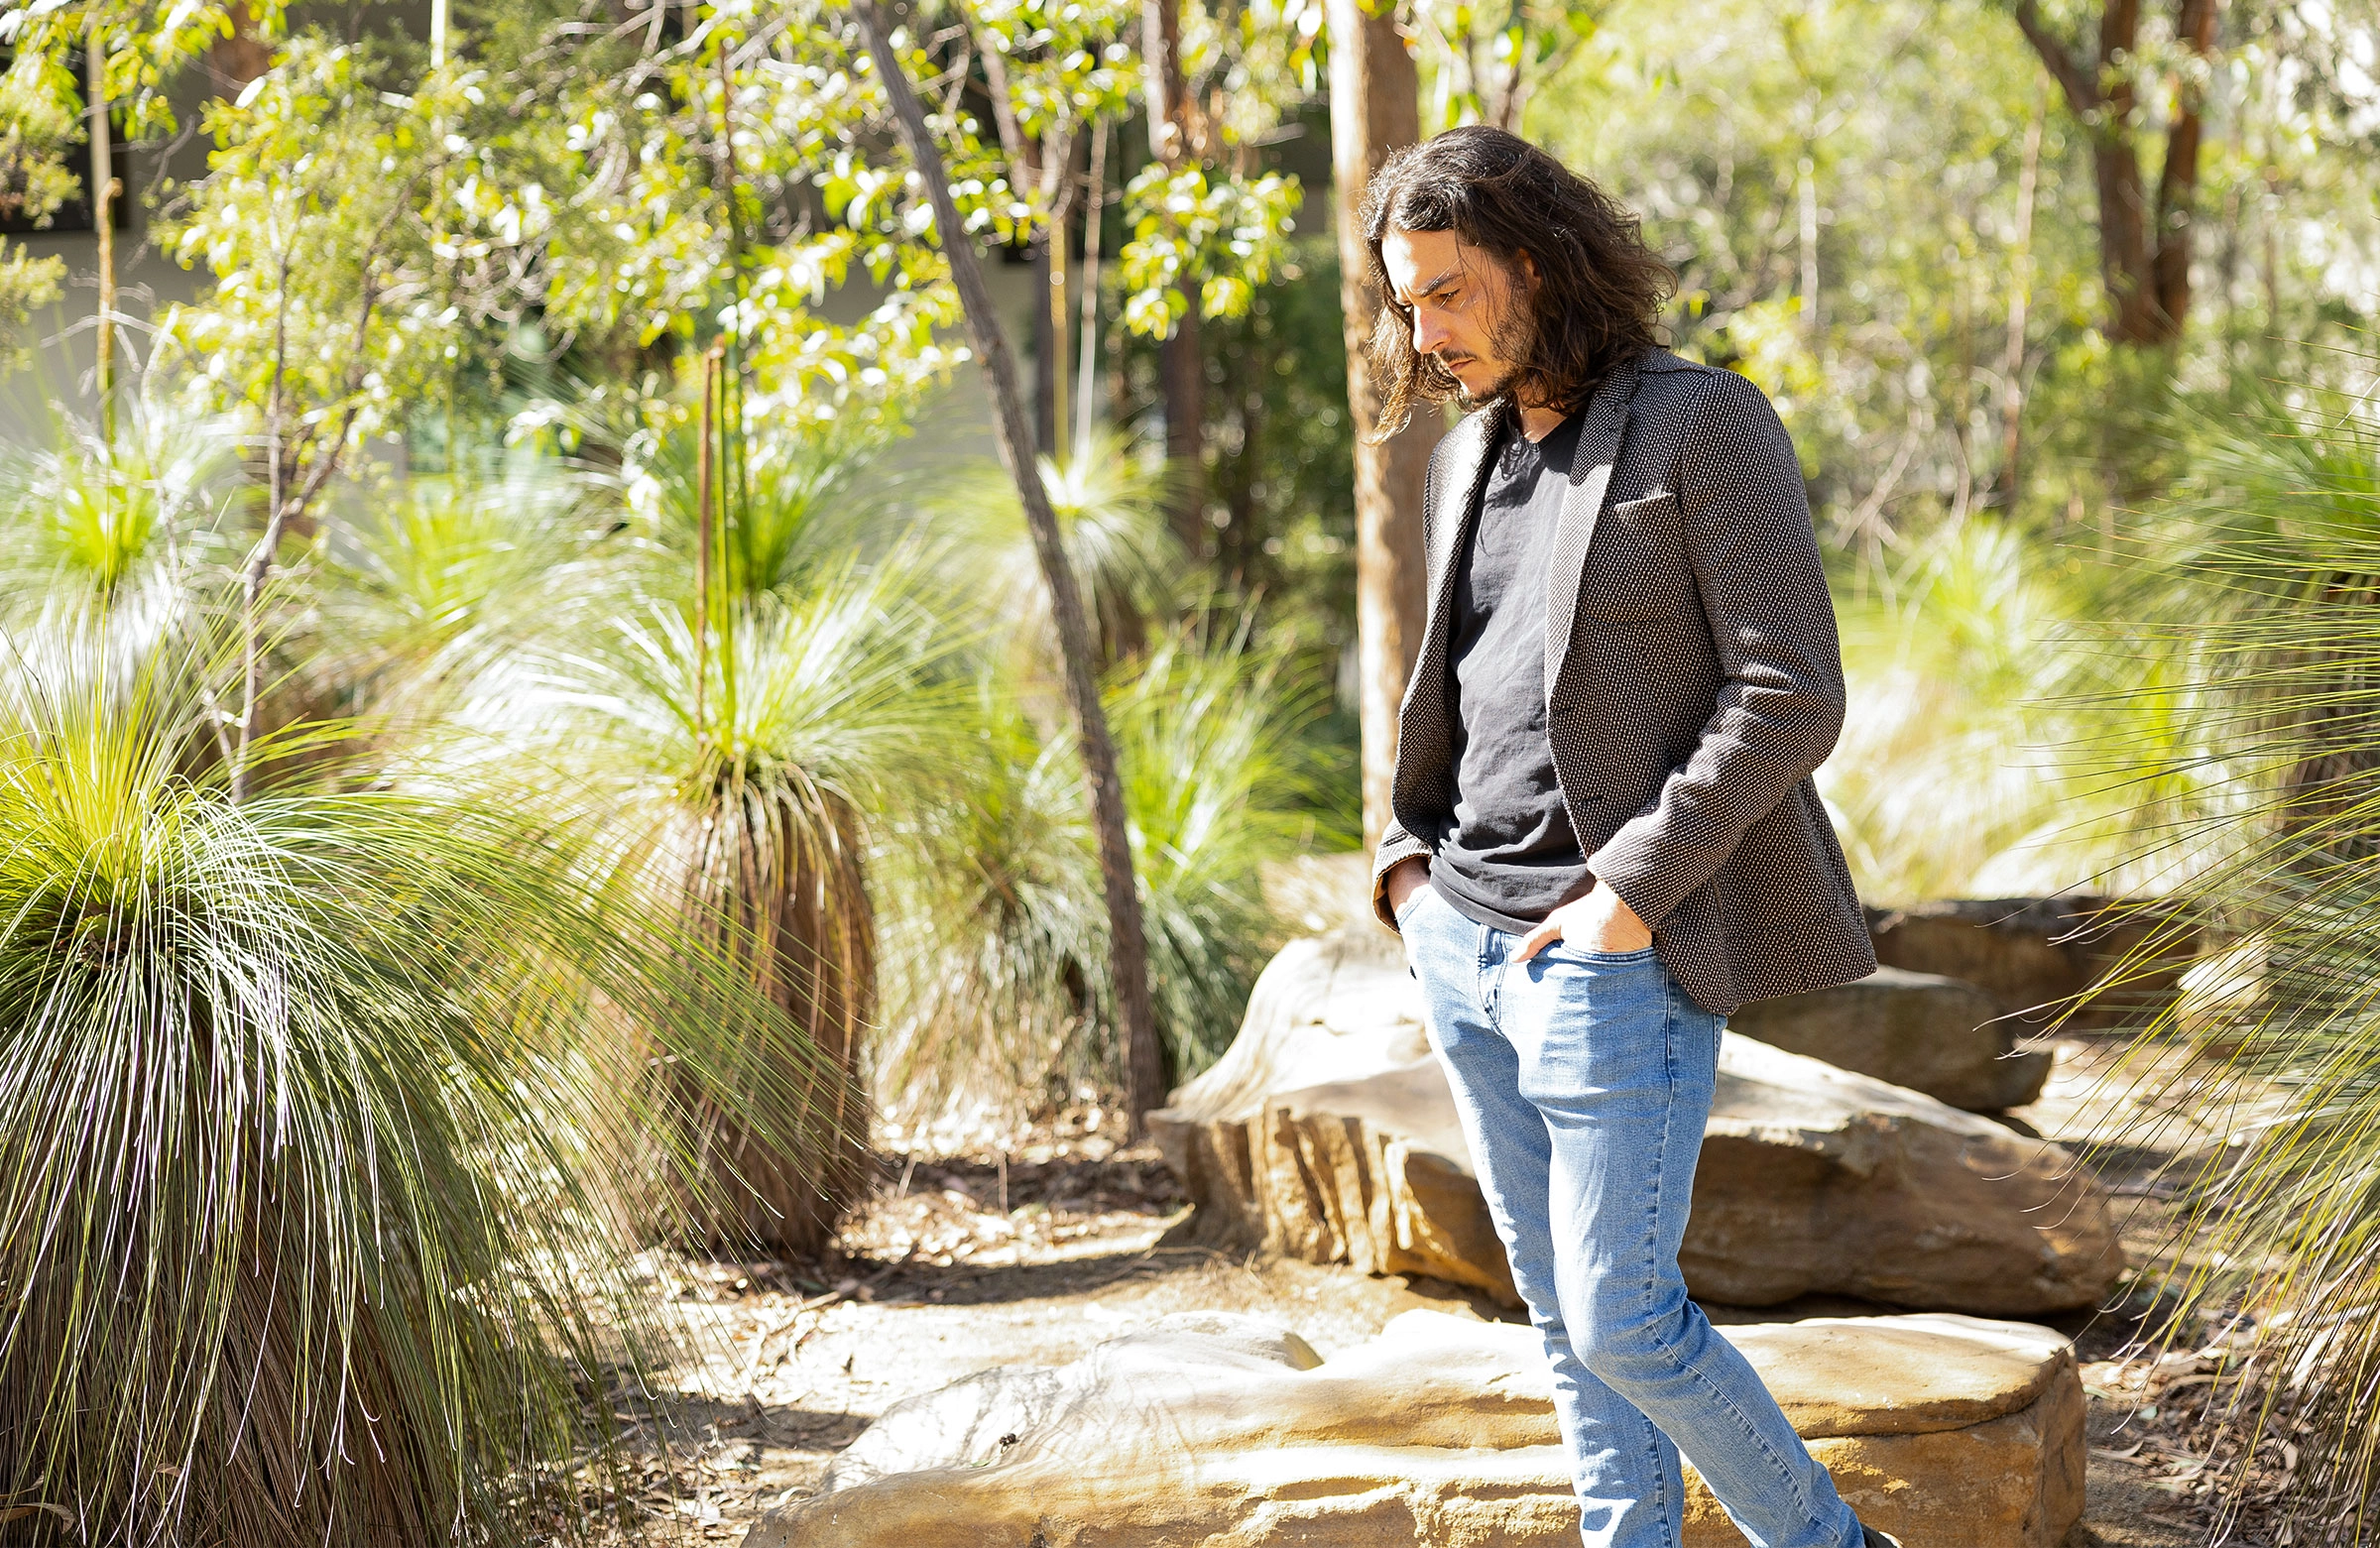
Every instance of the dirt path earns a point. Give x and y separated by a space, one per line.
1030 1252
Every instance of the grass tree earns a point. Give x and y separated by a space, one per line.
1110 510
2264 583
309 1171
89 519
1217 780
428 584
736 772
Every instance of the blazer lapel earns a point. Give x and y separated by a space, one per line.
1466 451
1582 507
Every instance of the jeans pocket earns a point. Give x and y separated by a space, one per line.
1609 959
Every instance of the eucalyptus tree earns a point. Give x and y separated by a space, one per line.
1174 237
2118 83
1376 110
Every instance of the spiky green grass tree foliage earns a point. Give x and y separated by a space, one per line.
1218 778
2265 584
427 584
803 498
1110 504
86 517
1976 759
310 1158
739 781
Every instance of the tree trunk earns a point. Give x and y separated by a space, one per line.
103 226
1086 388
2006 483
236 60
2143 253
1375 110
1144 1056
1182 377
788 886
1058 324
2177 185
1047 366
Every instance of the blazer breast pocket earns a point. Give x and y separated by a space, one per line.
1637 563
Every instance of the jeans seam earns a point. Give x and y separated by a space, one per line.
1491 974
1719 1396
1660 1171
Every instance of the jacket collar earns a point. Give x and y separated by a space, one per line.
1469 441
1465 450
1467 447
1600 441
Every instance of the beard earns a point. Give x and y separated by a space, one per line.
1514 337
1495 391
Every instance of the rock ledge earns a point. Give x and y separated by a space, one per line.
1226 1431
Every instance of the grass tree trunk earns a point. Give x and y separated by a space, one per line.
784 888
1144 1056
1376 109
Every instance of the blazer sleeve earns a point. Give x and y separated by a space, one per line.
1395 845
1749 542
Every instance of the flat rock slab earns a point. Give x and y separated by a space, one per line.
1225 1431
1812 1179
1939 1035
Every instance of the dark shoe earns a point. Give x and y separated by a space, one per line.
1876 1539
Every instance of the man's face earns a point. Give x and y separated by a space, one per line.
1466 306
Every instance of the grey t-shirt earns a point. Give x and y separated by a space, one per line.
1509 855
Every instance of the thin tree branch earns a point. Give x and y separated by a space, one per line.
2081 91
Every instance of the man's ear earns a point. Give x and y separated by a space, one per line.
1528 267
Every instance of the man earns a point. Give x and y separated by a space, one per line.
1605 837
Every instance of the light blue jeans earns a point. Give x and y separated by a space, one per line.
1584 1081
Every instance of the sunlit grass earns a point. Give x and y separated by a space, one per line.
1981 753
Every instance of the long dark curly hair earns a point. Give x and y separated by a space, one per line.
1600 288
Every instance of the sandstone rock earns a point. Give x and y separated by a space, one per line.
1317 893
1325 1007
2030 953
1939 1035
1811 1181
1222 1431
1815 1179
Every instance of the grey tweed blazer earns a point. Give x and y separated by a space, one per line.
1692 681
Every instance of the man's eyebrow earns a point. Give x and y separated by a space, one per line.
1432 287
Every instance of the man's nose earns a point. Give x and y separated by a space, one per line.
1428 335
